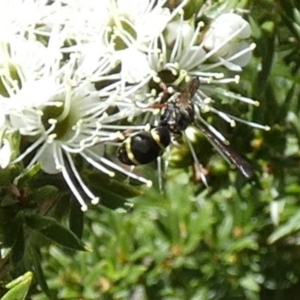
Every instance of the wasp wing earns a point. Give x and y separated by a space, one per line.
243 166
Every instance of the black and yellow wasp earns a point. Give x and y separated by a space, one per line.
177 113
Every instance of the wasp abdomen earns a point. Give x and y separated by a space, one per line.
144 146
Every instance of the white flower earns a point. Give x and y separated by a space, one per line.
18 16
62 125
181 50
132 21
124 29
64 119
180 55
63 69
94 65
21 60
225 37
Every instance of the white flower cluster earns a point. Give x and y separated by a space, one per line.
71 70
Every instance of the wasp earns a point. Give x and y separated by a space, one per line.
177 113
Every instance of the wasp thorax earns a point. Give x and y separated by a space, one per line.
176 118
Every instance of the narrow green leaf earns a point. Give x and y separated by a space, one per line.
55 232
76 219
19 287
112 193
291 226
38 271
18 246
192 8
113 185
25 177
250 282
43 193
248 242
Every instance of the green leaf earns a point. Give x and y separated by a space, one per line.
112 192
18 247
38 271
248 242
43 193
192 8
76 219
19 287
25 177
11 230
113 185
250 282
55 232
5 176
291 226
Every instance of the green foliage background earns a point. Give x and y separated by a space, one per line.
233 240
